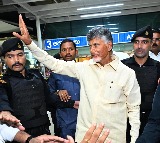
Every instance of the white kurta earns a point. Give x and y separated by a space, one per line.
109 94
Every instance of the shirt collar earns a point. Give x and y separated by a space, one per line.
151 53
114 63
148 62
16 73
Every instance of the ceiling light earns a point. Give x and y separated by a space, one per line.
113 28
101 6
90 26
72 0
112 24
100 25
101 14
96 25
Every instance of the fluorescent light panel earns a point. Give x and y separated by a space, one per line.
112 24
96 25
90 26
101 14
113 28
101 6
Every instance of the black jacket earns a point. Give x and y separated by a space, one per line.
147 76
151 132
14 99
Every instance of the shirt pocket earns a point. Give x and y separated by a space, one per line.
113 93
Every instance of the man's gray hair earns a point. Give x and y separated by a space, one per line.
100 32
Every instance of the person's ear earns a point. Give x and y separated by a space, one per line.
110 45
76 52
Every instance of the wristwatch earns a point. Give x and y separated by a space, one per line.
28 139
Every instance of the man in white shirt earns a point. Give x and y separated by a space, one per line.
109 89
155 49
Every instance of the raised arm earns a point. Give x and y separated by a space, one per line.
25 37
42 56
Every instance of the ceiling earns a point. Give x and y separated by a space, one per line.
50 11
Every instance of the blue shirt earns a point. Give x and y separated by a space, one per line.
66 117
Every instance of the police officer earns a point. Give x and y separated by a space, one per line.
26 90
147 70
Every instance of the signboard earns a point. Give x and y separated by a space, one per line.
55 43
125 37
81 41
115 38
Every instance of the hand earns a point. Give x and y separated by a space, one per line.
63 95
48 138
25 37
159 81
76 105
93 135
7 117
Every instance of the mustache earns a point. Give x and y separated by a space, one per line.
154 44
17 63
68 55
139 49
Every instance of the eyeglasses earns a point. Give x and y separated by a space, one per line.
156 39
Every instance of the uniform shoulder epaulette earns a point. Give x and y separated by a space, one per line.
2 81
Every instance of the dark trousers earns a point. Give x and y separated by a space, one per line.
54 120
143 119
37 131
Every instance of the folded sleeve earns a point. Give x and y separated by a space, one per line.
7 133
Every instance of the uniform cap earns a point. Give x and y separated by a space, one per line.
145 32
11 45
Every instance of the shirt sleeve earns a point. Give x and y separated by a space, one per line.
4 101
133 105
7 133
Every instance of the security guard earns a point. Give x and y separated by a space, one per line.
147 71
26 90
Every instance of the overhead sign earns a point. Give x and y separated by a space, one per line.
55 43
81 41
125 37
115 38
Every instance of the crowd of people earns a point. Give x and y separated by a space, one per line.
121 95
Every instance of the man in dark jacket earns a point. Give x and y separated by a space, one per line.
65 87
147 71
151 133
27 91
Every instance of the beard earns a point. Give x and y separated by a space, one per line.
140 55
97 59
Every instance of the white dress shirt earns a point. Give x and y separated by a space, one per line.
109 94
7 133
155 57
